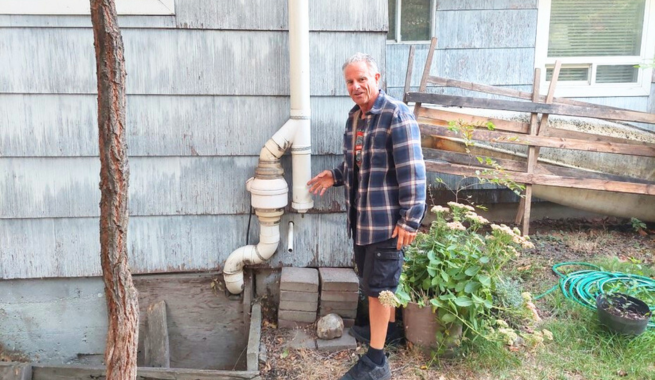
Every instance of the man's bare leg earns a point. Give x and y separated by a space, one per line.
379 316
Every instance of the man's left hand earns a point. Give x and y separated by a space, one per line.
404 237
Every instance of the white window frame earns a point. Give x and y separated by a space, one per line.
583 89
398 21
82 7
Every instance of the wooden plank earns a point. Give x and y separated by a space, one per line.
425 75
254 337
499 124
511 105
512 93
568 134
157 349
62 372
410 68
15 371
525 205
550 142
520 165
547 180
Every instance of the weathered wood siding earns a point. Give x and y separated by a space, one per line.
206 88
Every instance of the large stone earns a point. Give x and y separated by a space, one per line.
329 327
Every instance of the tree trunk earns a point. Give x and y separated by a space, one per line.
122 301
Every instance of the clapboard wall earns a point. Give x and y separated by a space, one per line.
484 41
206 88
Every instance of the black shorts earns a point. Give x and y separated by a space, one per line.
378 266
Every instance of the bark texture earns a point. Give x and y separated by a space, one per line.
122 301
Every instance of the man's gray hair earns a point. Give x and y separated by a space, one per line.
362 57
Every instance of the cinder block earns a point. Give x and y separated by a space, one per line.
345 342
339 305
286 295
299 279
339 279
295 315
284 324
348 313
339 296
298 305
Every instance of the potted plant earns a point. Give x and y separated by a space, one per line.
622 313
449 275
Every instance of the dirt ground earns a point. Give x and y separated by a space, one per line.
555 241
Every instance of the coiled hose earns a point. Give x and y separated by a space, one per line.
583 286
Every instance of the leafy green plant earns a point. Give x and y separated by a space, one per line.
495 173
454 268
637 224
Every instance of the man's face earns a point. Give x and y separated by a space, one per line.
362 84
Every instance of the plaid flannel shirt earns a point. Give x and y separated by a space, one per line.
391 189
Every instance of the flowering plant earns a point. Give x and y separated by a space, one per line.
454 267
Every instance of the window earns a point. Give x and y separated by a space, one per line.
599 42
82 7
411 20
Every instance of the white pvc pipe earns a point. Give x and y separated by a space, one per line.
290 238
295 133
300 104
250 254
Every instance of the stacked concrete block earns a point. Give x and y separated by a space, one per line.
339 293
298 297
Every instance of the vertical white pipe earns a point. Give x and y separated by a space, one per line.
290 238
300 103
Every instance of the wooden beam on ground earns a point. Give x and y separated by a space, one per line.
254 337
548 142
544 179
62 372
519 106
15 371
499 124
156 344
408 74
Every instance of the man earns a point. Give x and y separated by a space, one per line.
384 177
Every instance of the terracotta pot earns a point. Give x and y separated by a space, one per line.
421 327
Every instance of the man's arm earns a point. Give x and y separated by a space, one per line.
410 170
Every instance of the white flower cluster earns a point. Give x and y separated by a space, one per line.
387 298
439 209
475 218
515 233
457 226
460 206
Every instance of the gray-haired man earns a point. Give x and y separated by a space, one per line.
384 178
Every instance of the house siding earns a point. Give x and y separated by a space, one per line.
205 89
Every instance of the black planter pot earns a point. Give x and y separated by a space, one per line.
612 309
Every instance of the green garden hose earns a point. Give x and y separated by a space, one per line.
583 286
